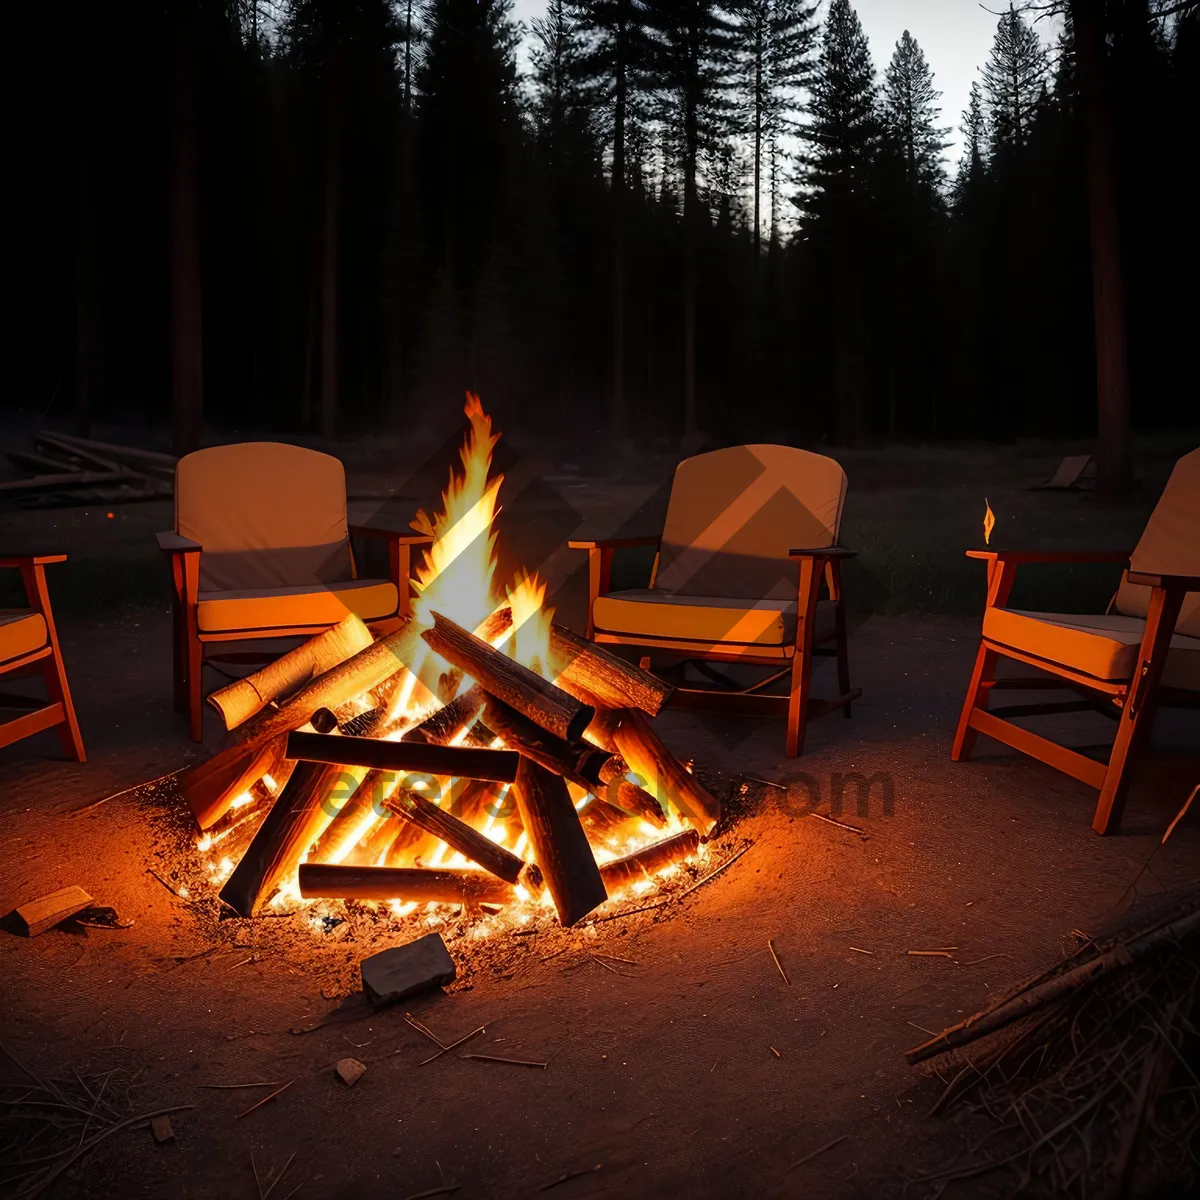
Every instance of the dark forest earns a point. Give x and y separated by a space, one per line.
685 219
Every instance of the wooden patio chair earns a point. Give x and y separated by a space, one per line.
261 549
751 533
1144 652
29 643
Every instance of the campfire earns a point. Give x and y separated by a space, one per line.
479 756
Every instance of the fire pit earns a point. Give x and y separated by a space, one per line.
479 755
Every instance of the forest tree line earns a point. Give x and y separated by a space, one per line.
686 218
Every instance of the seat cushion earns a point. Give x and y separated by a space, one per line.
1105 647
653 613
21 632
274 608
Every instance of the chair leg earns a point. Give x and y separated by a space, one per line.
978 693
1137 715
178 662
843 659
69 737
798 704
806 607
195 697
1131 732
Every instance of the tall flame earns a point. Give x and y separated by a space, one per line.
989 522
457 574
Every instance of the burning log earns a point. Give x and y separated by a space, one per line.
443 885
645 862
584 766
663 774
603 679
559 844
347 826
415 757
299 816
205 784
239 701
470 843
210 803
531 695
580 764
450 720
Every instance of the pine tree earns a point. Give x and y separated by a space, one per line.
615 67
910 114
693 50
843 136
844 129
1014 79
469 126
776 39
561 108
973 163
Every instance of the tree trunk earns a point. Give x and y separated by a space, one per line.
85 263
332 172
1114 474
691 423
187 367
617 416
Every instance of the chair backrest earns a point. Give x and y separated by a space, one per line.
1170 545
267 515
734 514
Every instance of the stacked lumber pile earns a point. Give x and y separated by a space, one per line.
65 470
1086 1074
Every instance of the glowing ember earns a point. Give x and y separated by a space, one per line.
989 522
457 578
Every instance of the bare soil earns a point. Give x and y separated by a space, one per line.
692 1068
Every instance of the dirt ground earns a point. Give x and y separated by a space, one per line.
691 1068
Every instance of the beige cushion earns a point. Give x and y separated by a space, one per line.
275 608
1105 647
21 632
734 514
268 516
652 613
1170 545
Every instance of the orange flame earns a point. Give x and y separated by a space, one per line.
989 522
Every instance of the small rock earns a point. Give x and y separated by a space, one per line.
350 1071
161 1127
402 971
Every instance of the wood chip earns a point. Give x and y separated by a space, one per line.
929 953
771 947
857 950
161 1127
776 1052
350 1070
36 916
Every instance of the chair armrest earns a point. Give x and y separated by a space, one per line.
30 560
828 552
391 535
1051 556
621 543
171 542
1183 583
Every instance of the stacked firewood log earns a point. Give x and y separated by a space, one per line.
66 470
317 723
